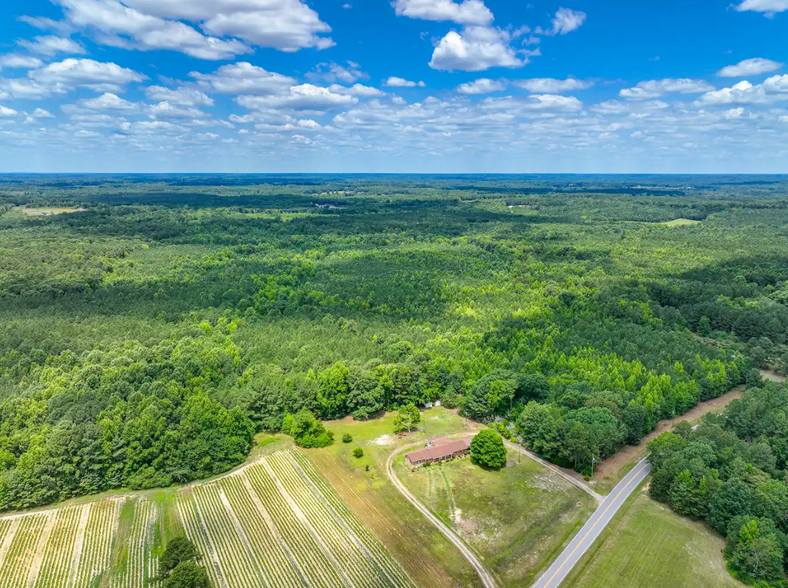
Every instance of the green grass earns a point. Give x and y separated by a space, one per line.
516 519
428 557
649 546
681 222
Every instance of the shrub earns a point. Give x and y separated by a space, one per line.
358 452
307 430
347 438
488 450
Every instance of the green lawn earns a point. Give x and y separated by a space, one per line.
517 519
649 546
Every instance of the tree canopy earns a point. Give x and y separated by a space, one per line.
488 449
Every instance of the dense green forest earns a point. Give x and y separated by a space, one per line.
149 332
731 471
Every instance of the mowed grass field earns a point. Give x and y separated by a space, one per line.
275 523
517 519
427 556
649 546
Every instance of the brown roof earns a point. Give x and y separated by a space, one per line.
441 450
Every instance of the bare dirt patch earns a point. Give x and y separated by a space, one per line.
48 211
615 467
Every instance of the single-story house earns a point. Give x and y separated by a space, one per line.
438 450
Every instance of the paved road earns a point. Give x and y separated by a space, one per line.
595 525
484 575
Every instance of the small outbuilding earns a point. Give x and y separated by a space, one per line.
438 450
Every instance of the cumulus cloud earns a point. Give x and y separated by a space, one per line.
121 26
475 49
28 89
5 111
287 25
52 45
305 97
357 90
774 89
395 82
552 86
71 73
334 72
656 88
565 21
16 61
244 78
470 12
482 86
108 102
168 110
40 113
541 102
181 96
749 67
768 7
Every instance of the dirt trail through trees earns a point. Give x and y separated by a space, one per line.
631 454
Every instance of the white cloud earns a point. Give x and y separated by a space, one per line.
749 67
305 97
181 96
41 113
395 82
52 45
472 12
482 86
167 110
617 107
334 72
111 102
357 90
118 25
567 20
540 102
47 24
475 49
767 6
244 78
16 61
87 73
287 25
774 89
551 85
657 88
5 111
29 89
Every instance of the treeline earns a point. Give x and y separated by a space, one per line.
731 471
129 416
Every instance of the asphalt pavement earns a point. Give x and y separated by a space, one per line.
553 577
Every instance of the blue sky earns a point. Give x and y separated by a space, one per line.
394 86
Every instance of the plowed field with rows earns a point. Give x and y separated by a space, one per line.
273 524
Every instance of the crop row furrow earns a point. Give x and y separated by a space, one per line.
22 550
133 574
97 545
348 554
234 559
361 531
56 560
195 530
269 554
310 556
